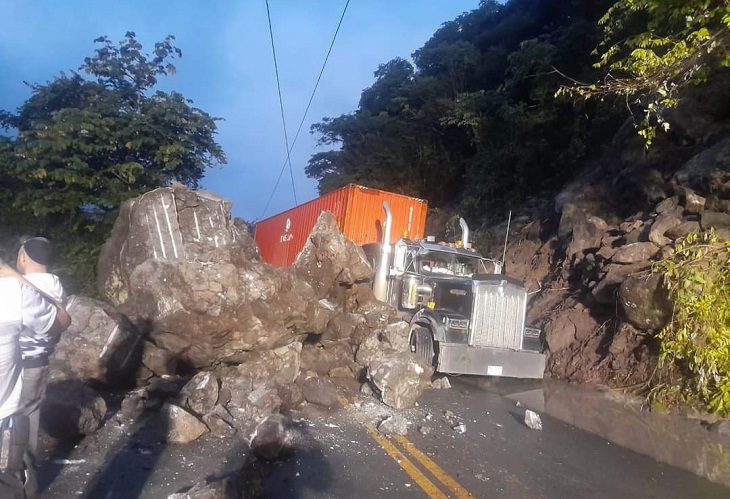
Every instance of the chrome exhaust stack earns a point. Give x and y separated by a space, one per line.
380 285
464 234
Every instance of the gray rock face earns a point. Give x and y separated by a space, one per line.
329 260
182 427
168 224
177 264
210 313
72 409
634 253
99 345
645 302
400 378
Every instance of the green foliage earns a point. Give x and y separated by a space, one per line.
653 48
83 145
698 338
475 121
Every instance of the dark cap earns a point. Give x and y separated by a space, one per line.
38 249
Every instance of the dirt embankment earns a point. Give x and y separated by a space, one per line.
590 250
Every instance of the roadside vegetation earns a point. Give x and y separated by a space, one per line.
694 365
90 139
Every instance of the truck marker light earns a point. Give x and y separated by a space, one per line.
431 305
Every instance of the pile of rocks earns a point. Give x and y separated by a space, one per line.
601 304
216 340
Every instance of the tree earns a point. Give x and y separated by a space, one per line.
474 121
653 49
87 141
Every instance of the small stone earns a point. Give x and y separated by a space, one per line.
365 389
182 427
532 420
460 428
442 383
518 404
393 425
693 203
273 438
669 204
424 430
631 226
200 394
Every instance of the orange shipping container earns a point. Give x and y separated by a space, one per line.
359 214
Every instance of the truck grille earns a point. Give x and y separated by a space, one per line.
498 314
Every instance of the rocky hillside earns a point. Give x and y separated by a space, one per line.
590 249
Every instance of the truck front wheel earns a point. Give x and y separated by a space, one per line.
422 344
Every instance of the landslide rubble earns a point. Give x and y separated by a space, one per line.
207 338
589 253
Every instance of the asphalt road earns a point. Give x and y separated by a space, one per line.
340 455
497 456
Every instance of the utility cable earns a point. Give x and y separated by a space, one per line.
281 103
309 104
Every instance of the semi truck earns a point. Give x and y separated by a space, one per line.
465 315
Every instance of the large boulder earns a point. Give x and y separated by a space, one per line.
399 377
697 173
206 314
100 346
329 260
181 269
645 302
168 224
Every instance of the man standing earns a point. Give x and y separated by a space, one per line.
21 306
35 349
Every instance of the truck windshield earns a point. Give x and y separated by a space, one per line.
450 264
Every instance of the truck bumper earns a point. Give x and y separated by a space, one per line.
464 359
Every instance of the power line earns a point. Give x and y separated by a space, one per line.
281 104
309 104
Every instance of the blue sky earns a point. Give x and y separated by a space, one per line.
227 69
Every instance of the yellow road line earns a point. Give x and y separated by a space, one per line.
406 465
427 485
433 468
419 477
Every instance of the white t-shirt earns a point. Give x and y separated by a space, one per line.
34 344
20 307
49 284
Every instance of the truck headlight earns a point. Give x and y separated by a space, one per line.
532 332
457 323
409 296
